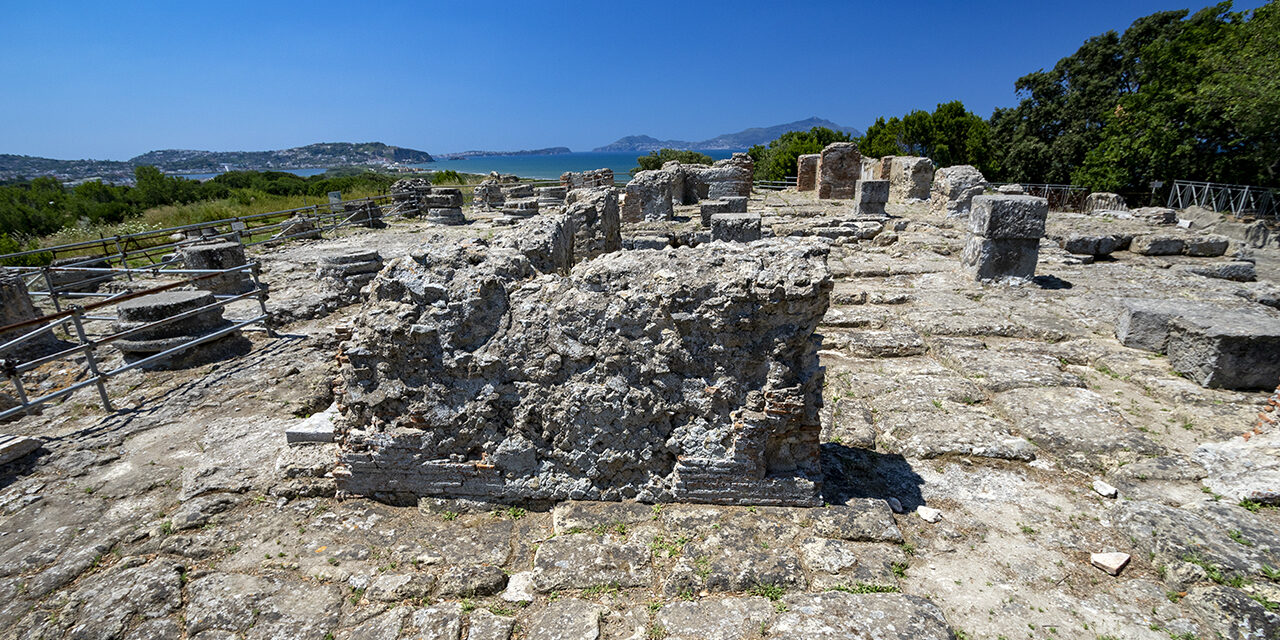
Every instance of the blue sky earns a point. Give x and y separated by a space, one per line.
112 80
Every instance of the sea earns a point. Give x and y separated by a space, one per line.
536 167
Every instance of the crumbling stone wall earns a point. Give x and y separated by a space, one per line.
649 197
571 180
807 172
954 188
688 374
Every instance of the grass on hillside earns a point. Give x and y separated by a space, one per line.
243 204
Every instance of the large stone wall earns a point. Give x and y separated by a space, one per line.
687 374
571 180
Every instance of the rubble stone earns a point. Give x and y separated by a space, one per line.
1239 270
550 197
839 169
596 221
1092 245
954 188
1155 215
836 615
1210 246
735 227
910 178
1157 245
346 273
807 172
436 404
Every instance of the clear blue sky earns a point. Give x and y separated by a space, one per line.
111 80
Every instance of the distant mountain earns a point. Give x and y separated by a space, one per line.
740 140
324 154
549 151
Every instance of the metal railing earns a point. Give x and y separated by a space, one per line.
1061 197
1235 198
775 185
37 331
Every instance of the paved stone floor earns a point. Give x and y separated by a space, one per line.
187 516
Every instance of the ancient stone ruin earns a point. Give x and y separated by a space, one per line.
442 206
910 178
631 378
1004 240
15 307
571 180
735 227
839 169
954 189
346 273
596 220
870 196
807 172
1211 345
550 197
218 256
135 314
648 196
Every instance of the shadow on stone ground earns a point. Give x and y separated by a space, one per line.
849 472
1051 282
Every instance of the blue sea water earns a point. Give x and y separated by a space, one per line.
550 167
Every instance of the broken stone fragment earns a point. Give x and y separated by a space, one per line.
929 514
1112 562
1103 489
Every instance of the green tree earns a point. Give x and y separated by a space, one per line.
777 161
656 159
1243 86
950 135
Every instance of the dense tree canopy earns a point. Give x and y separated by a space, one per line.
949 136
778 160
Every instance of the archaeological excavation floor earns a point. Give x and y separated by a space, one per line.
188 516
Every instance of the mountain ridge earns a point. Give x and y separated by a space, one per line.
723 142
320 154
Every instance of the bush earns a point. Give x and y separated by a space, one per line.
656 159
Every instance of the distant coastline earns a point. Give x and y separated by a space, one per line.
549 151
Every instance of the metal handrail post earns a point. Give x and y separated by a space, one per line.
90 361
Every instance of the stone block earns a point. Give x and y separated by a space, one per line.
1155 215
218 256
1089 245
737 204
1210 246
1239 271
1157 245
807 172
910 178
1144 324
991 259
708 208
15 307
1008 217
596 221
839 169
735 227
870 196
1227 350
317 427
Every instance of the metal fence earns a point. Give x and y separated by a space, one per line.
1061 197
1238 199
85 348
774 185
